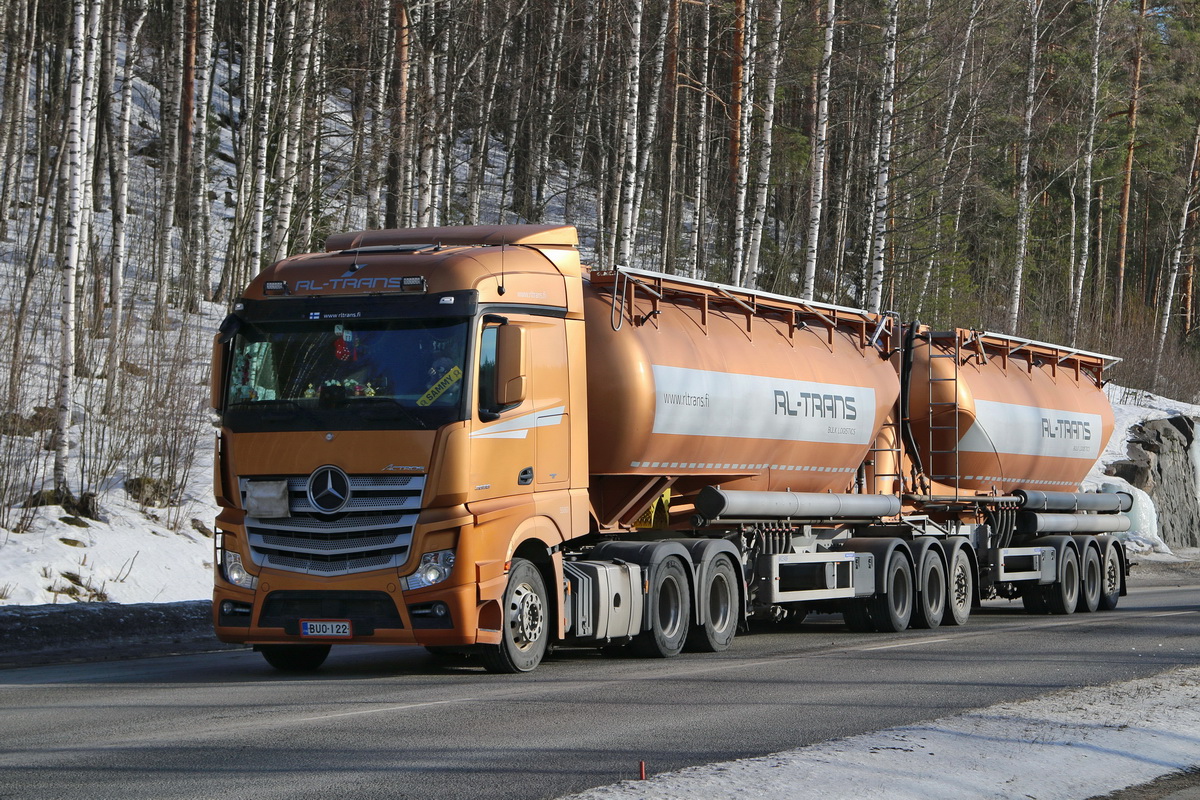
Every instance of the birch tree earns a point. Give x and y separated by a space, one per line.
71 247
763 182
626 223
1034 9
1079 274
887 104
816 207
1189 200
120 205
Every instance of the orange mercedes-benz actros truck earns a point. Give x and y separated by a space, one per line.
462 439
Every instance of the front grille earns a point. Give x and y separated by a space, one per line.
365 610
374 532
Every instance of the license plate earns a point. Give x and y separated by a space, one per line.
326 628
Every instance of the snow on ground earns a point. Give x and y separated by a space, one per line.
1073 744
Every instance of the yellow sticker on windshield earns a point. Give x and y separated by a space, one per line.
438 389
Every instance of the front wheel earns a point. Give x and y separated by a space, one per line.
295 657
525 630
670 604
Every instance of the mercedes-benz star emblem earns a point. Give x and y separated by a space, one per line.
328 489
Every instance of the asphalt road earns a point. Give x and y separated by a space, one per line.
397 723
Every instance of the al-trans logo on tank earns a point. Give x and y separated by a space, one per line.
696 402
1032 431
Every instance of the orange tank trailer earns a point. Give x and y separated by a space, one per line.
460 438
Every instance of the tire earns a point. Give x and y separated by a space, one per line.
295 657
857 617
1062 596
960 589
931 591
892 610
526 626
720 609
1091 575
670 604
1110 578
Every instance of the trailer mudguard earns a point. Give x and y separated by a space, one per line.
882 549
702 552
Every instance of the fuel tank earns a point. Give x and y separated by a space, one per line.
996 413
721 386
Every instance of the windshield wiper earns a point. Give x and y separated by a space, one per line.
383 408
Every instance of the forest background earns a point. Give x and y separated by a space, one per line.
1023 166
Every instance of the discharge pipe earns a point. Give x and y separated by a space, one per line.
1107 502
713 503
1029 522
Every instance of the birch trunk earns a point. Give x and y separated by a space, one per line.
816 203
1099 9
764 160
743 91
1023 205
883 171
1168 297
70 261
121 200
626 224
262 127
696 244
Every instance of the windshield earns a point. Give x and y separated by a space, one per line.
358 375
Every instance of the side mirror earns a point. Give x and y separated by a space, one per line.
511 380
220 352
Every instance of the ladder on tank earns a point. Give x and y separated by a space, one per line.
946 457
892 428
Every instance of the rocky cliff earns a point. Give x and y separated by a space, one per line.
1162 463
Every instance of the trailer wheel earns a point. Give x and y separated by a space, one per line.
931 591
892 610
960 589
720 609
1062 596
295 657
526 624
669 602
1110 582
1091 576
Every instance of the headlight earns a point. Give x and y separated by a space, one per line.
235 573
434 568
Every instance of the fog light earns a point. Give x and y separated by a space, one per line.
227 607
434 568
